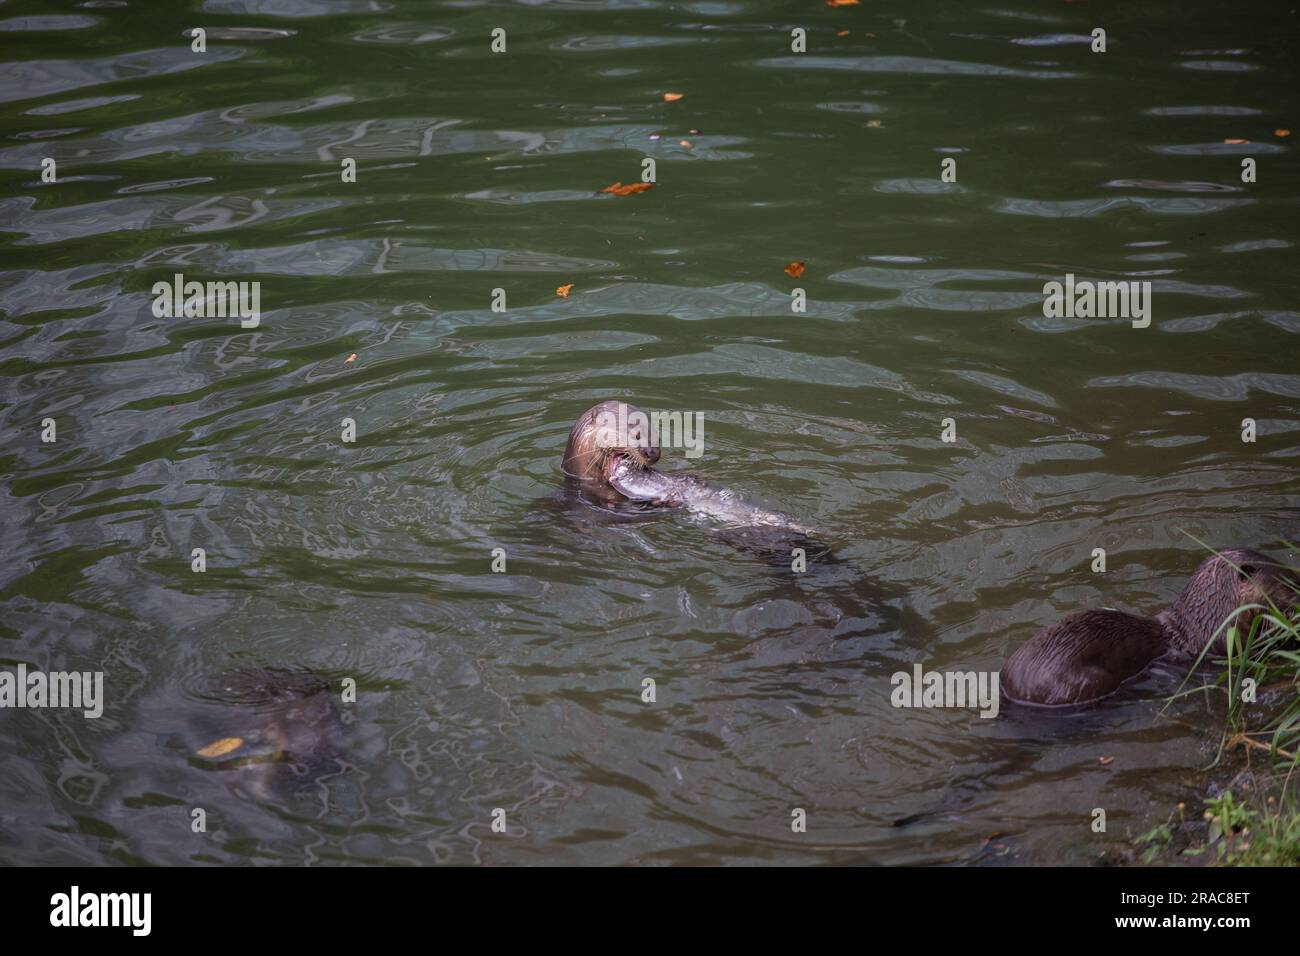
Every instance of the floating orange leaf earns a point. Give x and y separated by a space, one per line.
841 3
795 269
219 748
1235 142
687 143
1281 132
631 189
1105 761
674 97
350 359
842 33
564 290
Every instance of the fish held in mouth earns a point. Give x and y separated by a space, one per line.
637 482
619 467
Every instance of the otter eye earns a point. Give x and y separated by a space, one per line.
1247 571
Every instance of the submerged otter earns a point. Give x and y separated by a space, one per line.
283 735
1089 654
613 465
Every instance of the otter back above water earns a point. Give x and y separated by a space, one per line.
1089 654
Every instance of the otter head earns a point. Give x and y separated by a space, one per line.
286 737
282 714
607 437
1233 579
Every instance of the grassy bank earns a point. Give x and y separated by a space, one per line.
1255 820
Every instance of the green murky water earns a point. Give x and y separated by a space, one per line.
478 171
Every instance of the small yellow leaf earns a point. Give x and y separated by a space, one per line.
219 748
673 97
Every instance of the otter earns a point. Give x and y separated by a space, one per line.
616 472
618 468
284 736
1088 655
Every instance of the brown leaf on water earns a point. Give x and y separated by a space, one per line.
1281 132
795 269
989 839
841 3
350 359
564 290
219 748
1105 761
674 97
1235 142
631 189
687 143
842 33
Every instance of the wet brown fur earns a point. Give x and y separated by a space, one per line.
1089 654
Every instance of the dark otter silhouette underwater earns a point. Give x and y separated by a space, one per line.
1088 655
281 734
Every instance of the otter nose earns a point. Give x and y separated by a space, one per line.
651 454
